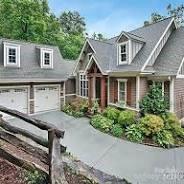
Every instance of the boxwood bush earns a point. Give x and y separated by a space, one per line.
102 123
151 124
126 118
111 113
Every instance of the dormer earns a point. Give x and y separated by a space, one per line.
11 55
128 45
46 58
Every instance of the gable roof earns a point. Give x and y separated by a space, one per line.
106 51
169 60
30 63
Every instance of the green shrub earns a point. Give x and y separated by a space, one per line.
68 109
164 138
95 107
112 113
116 130
35 178
171 118
154 102
134 133
151 124
126 118
102 123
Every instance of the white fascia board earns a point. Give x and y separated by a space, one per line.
90 63
180 66
147 61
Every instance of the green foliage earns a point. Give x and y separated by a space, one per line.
116 130
151 124
154 102
134 133
77 108
164 138
102 123
35 177
112 113
32 21
126 118
95 107
171 118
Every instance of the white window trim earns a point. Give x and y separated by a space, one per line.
181 66
119 53
8 46
42 53
125 81
86 80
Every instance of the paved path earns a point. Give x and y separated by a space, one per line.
137 163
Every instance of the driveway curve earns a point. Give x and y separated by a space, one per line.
137 163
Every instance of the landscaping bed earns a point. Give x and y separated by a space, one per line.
153 125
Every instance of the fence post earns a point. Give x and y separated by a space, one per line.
56 170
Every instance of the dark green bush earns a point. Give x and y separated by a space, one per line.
126 118
68 109
111 113
116 130
134 133
102 123
154 102
151 124
164 138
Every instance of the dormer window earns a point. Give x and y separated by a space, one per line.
123 58
11 55
46 58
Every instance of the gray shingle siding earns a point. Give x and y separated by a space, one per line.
30 63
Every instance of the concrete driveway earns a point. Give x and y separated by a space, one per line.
137 163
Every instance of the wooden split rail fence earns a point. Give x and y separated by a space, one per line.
55 149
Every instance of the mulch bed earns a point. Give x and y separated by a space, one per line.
10 174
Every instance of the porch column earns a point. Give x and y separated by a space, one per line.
171 91
90 91
137 91
103 92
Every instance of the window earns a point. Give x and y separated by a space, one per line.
11 55
83 85
122 91
46 58
123 53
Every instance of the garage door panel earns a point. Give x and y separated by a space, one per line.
46 98
14 98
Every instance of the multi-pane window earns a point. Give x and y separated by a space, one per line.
83 82
46 58
123 53
12 55
122 91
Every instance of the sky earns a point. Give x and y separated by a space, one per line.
110 17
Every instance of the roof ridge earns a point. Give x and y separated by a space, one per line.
100 41
142 27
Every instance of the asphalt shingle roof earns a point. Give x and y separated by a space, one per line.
106 51
30 63
169 60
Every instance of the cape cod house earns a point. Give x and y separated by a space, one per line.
33 78
119 71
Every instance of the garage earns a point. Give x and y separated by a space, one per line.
46 98
14 98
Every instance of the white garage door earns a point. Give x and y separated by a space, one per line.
46 98
14 98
